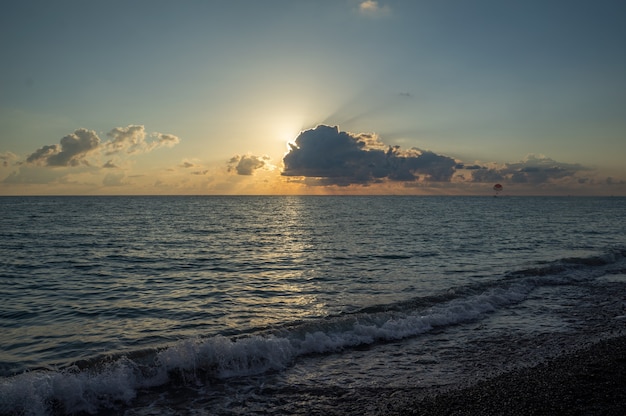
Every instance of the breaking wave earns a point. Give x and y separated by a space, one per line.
112 381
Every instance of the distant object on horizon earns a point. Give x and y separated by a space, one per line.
497 188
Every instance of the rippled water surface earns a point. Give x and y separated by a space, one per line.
296 293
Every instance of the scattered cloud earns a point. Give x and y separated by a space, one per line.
74 148
83 148
187 164
247 164
319 157
334 157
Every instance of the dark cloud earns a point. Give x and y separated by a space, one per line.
612 181
43 153
487 175
541 169
72 150
469 167
109 165
336 157
327 156
247 164
188 165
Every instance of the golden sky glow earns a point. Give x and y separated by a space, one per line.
204 97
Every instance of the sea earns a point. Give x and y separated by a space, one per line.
249 305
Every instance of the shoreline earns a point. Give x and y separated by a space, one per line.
590 381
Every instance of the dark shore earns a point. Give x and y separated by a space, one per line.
591 381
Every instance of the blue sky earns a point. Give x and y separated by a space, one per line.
203 97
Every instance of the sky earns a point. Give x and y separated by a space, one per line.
418 97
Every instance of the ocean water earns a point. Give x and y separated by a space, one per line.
293 305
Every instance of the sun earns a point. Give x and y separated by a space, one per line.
287 131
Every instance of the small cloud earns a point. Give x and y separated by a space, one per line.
187 164
7 159
247 164
405 94
165 140
109 165
71 151
134 139
371 8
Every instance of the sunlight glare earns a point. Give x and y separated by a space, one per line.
287 131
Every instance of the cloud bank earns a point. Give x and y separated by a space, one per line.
336 157
327 156
533 170
320 157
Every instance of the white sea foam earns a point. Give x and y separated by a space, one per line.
33 393
117 382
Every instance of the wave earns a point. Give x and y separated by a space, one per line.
113 381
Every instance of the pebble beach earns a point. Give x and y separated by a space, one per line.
591 381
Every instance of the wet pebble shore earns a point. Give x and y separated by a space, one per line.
591 381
